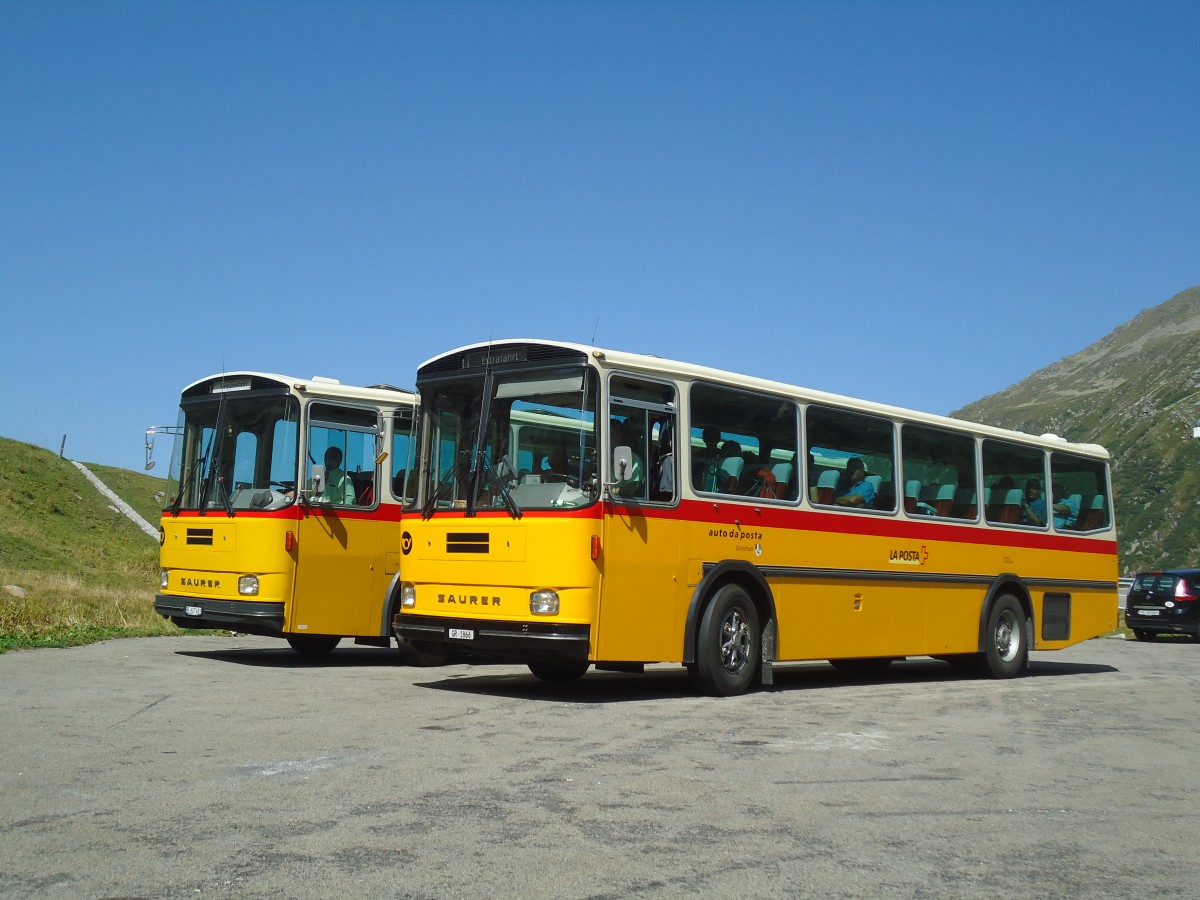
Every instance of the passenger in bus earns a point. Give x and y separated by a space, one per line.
338 486
854 489
1066 509
662 470
730 467
555 465
1033 504
704 460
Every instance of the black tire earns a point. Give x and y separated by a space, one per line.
964 663
728 648
313 645
1144 635
868 665
1005 641
421 654
559 673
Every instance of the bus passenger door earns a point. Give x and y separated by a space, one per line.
640 562
338 540
335 574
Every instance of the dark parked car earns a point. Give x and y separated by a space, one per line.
1166 602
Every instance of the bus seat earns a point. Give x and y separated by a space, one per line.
827 485
877 483
1093 516
966 505
912 493
943 500
783 473
732 467
364 488
1005 506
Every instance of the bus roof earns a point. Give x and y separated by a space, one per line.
318 386
656 365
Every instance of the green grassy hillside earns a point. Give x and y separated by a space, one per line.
72 569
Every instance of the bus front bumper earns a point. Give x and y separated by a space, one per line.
519 642
246 616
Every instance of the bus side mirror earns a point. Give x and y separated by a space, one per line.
622 462
316 481
622 466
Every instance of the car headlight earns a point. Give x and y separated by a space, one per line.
543 603
164 578
408 595
248 585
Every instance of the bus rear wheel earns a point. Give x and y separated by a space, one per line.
558 673
1005 644
729 644
313 645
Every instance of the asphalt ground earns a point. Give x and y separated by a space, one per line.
228 767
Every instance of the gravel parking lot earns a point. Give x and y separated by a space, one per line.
227 767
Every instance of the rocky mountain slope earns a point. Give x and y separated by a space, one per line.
1137 392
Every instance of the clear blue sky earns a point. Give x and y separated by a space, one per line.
919 203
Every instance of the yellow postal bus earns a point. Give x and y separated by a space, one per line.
666 512
283 508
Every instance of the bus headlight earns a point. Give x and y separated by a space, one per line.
543 603
248 585
164 578
408 594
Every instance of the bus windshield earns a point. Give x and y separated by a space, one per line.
513 441
235 452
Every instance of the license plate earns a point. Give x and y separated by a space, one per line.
1146 612
462 634
196 611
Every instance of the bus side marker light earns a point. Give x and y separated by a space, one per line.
248 585
543 603
289 541
595 547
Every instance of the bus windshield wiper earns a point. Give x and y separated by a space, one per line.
184 484
509 503
430 506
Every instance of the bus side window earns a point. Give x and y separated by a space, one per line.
939 467
642 417
342 440
743 443
860 449
1080 493
1014 478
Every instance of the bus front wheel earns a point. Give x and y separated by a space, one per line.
1006 648
729 643
313 645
